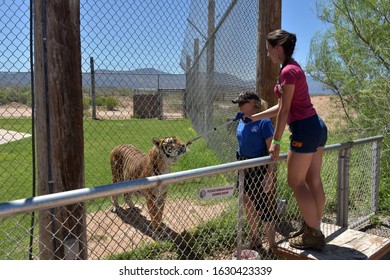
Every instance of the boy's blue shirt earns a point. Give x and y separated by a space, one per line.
251 138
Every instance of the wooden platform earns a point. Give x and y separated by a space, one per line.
341 244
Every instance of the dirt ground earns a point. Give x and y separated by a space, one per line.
324 104
15 110
113 233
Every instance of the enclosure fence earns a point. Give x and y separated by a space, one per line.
161 68
152 69
204 217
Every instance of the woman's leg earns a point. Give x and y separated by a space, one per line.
310 199
314 182
298 165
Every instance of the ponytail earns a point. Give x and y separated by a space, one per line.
286 39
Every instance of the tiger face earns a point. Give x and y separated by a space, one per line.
171 147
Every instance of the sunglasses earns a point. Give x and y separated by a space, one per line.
243 102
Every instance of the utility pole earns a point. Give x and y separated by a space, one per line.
270 15
59 125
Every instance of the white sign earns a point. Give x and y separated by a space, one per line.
217 192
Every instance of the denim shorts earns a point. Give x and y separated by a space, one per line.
308 134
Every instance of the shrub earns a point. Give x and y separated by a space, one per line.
87 101
9 96
111 103
100 101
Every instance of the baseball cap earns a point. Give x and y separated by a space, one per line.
245 97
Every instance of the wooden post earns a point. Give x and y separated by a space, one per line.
270 13
59 121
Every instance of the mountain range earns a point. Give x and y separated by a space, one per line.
145 78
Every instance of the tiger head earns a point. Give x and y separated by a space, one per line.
171 147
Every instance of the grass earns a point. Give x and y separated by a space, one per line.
100 138
16 161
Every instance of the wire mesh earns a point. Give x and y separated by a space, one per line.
204 218
150 69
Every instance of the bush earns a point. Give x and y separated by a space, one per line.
87 101
100 101
18 96
109 102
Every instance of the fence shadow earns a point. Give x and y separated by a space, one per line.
335 252
133 217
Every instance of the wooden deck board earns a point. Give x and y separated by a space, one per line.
341 244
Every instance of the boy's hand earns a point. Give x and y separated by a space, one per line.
238 116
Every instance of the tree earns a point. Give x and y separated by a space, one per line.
352 58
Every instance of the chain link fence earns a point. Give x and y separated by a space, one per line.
204 216
150 69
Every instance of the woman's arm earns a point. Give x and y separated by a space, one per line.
269 176
269 113
281 118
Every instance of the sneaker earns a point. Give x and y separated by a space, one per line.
298 232
310 239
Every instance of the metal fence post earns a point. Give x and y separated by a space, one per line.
160 99
376 152
343 187
93 101
240 212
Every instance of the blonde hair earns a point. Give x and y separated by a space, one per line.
260 105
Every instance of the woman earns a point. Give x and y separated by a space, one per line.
309 135
254 140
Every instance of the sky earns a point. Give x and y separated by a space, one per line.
236 43
298 16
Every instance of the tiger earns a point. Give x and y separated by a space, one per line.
129 163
